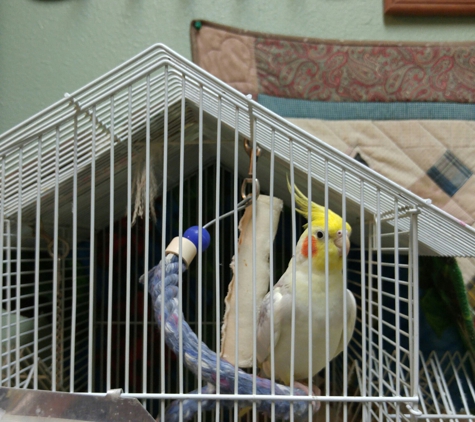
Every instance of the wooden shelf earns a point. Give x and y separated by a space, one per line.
430 7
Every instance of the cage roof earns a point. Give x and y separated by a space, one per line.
153 96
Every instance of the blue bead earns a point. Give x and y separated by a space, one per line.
193 234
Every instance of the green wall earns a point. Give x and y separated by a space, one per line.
49 47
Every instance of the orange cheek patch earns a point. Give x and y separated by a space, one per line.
304 250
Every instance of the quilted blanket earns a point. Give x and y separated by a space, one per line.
433 158
406 108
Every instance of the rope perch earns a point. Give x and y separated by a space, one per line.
209 359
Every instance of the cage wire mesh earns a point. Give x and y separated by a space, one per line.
95 187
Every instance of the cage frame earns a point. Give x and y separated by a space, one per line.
184 83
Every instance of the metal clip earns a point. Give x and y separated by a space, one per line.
114 393
249 150
415 413
249 180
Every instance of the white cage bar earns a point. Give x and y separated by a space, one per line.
159 129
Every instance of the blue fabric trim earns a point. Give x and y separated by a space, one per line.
326 110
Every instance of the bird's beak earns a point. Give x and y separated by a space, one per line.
339 244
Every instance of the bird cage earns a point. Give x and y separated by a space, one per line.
94 189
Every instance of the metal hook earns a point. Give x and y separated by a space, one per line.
245 183
249 150
248 180
248 147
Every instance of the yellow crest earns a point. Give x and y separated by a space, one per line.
335 222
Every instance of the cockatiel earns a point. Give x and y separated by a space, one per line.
283 300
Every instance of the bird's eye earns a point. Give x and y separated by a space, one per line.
320 234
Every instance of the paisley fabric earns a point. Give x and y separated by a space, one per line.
327 71
324 70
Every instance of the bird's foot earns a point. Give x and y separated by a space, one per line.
315 390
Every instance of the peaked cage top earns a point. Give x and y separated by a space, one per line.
147 94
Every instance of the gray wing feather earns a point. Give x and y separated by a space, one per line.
350 320
281 308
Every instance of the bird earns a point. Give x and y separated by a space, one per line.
282 300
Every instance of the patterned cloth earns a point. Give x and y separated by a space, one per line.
364 81
316 69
